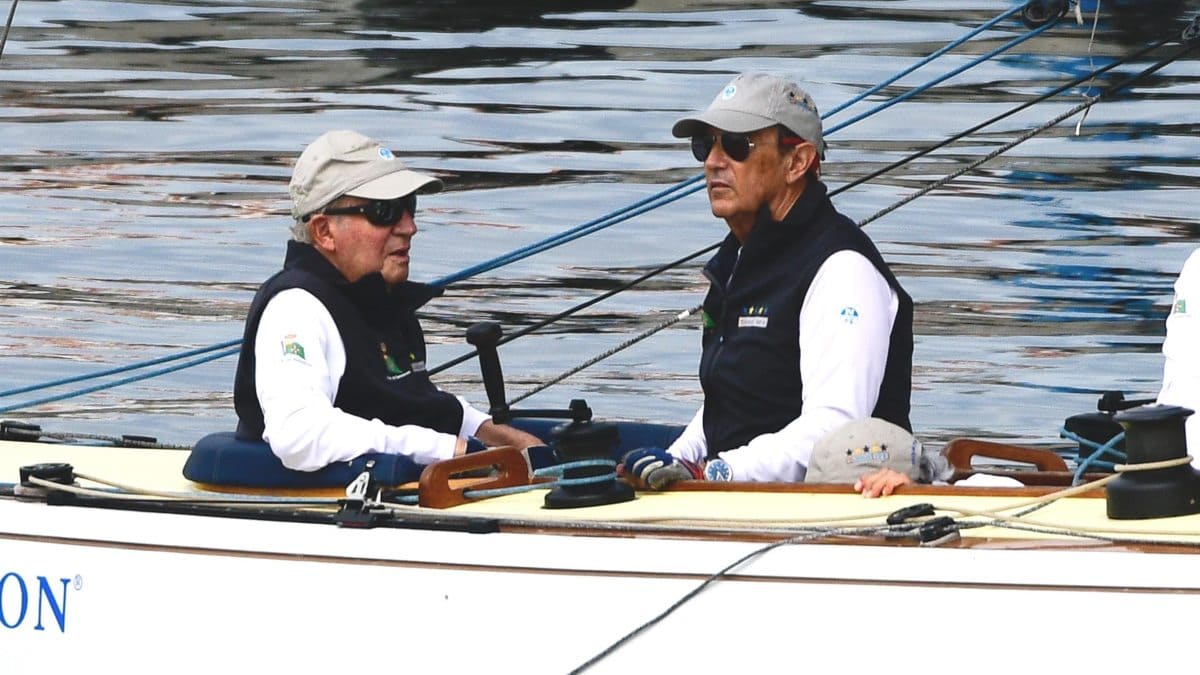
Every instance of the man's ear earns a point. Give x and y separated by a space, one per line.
804 158
320 228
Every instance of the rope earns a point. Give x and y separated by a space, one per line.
1108 447
121 369
119 382
577 308
12 13
927 60
604 355
937 80
963 134
1030 134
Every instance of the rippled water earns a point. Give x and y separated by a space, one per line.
147 148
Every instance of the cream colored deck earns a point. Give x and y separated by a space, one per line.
161 471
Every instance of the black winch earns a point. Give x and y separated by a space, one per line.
1154 435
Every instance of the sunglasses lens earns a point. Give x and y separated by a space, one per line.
387 213
701 146
736 145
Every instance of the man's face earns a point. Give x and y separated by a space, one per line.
737 190
361 247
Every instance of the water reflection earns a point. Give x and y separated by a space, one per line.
148 147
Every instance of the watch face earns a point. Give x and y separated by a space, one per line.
717 469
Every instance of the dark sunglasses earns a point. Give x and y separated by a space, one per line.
379 212
736 145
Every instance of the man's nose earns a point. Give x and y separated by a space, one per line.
406 225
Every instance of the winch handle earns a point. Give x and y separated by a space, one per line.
485 336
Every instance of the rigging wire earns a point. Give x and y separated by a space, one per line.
12 13
901 202
682 189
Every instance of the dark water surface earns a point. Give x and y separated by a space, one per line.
147 148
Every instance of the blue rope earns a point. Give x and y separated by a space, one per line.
675 192
556 470
122 369
926 60
117 383
1093 459
654 201
937 80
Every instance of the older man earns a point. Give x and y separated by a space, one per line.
333 361
805 327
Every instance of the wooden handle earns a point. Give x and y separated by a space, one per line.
960 451
439 489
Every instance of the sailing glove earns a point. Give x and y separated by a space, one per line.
656 468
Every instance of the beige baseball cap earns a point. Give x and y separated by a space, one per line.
753 101
862 446
348 163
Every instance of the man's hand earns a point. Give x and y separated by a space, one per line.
881 483
494 435
656 469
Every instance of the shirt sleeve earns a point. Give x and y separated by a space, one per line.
845 329
691 445
1181 359
299 361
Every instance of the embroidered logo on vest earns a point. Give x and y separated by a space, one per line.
754 316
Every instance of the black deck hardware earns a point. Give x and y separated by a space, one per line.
11 430
1154 434
901 516
938 531
485 336
1039 12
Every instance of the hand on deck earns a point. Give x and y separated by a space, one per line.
881 483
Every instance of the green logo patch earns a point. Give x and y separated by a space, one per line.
290 346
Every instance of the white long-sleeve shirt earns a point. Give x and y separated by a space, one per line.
299 360
1181 365
842 358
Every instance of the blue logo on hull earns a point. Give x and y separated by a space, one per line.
16 596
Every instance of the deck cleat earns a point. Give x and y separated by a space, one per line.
54 472
363 506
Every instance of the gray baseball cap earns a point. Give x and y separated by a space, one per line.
754 101
348 163
862 446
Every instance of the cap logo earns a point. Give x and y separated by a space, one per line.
729 92
386 154
802 101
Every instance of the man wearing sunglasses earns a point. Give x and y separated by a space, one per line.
805 327
332 365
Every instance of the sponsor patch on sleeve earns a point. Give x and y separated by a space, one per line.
292 349
849 314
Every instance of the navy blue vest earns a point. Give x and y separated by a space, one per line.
751 374
382 339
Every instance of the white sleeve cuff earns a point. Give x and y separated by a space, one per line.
472 419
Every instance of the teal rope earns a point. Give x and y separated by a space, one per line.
1093 459
556 470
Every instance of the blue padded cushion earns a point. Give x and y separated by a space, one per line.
224 459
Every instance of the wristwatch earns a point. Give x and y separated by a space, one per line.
718 469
